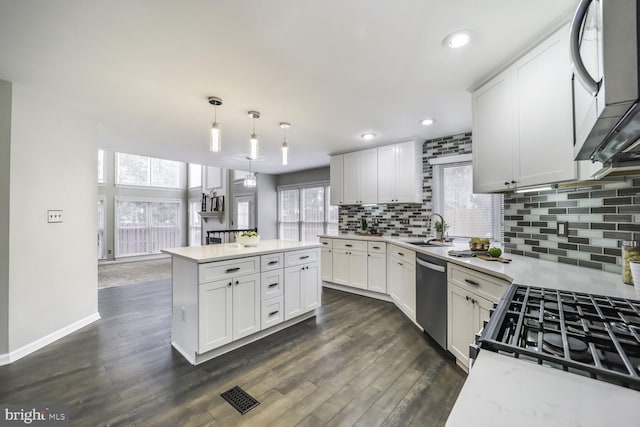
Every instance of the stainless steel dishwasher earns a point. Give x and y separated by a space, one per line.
431 297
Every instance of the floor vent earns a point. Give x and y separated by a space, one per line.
240 399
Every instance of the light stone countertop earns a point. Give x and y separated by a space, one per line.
209 253
502 391
524 270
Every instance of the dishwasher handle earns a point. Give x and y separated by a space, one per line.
431 266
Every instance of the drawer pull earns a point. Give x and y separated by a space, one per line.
231 270
273 313
349 246
472 282
273 284
375 247
325 243
272 262
304 257
400 253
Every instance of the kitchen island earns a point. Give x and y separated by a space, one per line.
228 295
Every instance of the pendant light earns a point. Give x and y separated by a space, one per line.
285 147
250 178
253 142
215 144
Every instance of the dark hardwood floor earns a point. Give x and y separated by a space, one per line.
360 362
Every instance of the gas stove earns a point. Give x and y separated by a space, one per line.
591 335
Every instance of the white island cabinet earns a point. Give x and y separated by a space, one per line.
226 296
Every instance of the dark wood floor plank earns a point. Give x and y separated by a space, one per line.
357 356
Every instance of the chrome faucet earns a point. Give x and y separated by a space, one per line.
441 220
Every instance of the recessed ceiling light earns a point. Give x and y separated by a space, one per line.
368 136
428 121
457 39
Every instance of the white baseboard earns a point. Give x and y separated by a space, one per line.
36 345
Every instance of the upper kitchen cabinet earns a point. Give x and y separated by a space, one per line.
522 121
360 177
336 178
400 173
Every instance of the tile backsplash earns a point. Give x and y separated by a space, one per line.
407 220
600 216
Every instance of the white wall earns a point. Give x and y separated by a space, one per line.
267 206
5 155
53 267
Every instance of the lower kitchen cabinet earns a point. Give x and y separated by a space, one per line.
401 279
377 272
326 262
301 289
470 297
349 263
228 309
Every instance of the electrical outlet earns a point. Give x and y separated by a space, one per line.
404 221
562 229
184 314
54 216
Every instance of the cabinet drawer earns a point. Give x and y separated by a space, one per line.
377 247
272 284
480 284
326 243
301 257
353 245
407 255
272 312
271 262
218 270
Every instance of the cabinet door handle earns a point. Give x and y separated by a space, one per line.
513 182
506 183
229 284
273 313
231 270
472 282
273 284
368 254
237 282
467 297
400 253
329 250
400 263
272 262
304 257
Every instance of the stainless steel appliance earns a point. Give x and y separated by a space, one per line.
604 51
431 297
591 335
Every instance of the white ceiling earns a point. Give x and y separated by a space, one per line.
333 68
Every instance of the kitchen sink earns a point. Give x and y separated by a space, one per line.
429 243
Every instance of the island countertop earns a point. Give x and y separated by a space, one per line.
209 253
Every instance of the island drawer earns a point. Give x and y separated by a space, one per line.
350 245
301 257
272 284
271 261
219 270
272 312
326 242
478 283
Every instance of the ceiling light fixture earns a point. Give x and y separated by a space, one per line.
215 143
285 146
250 178
532 189
457 39
368 136
253 142
428 121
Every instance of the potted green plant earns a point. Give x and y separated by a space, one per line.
440 229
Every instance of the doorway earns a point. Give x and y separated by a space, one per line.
244 211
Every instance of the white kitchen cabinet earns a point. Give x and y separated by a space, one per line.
336 180
349 263
301 289
229 309
326 259
522 121
470 296
401 279
377 267
215 301
400 173
360 174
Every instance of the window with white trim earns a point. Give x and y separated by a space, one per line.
101 231
146 226
145 171
466 213
195 225
100 166
304 212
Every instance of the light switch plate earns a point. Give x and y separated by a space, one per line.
562 229
54 216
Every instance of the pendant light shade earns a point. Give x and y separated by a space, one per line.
285 146
253 142
215 142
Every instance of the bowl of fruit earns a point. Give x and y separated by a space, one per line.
248 238
479 244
